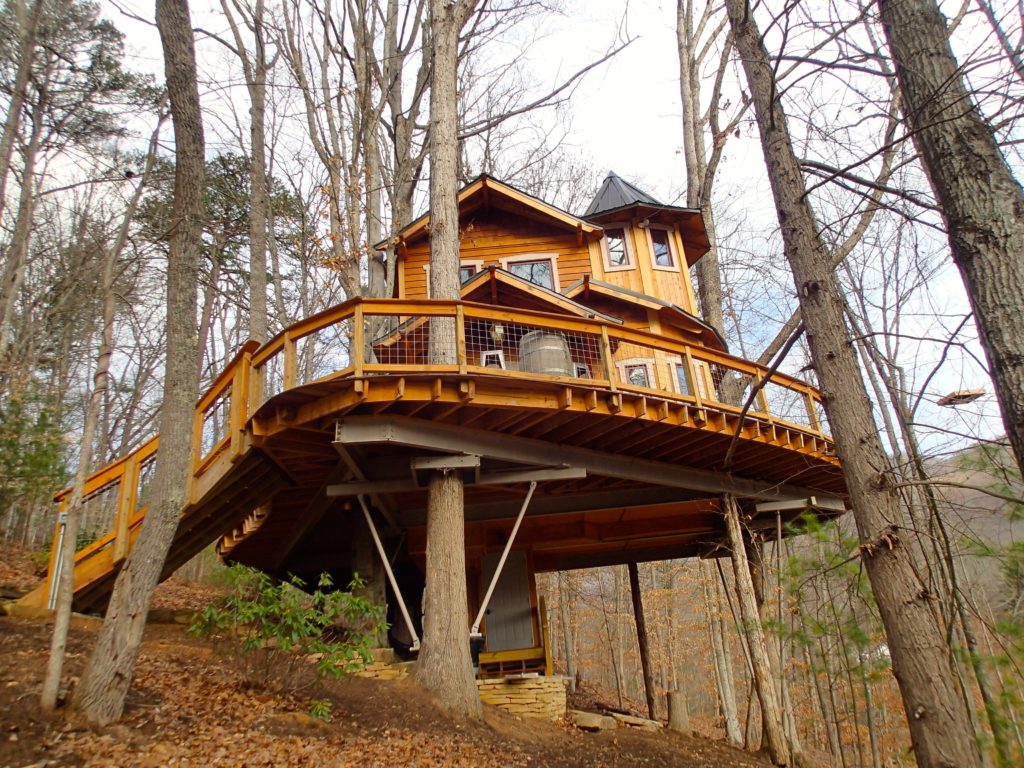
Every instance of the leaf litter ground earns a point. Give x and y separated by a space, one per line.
188 707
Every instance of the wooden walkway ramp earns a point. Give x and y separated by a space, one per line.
267 422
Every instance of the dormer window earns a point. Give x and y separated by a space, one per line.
662 251
617 253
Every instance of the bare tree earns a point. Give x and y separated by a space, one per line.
104 684
445 667
939 724
980 200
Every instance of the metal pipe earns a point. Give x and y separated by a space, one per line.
58 563
391 576
501 563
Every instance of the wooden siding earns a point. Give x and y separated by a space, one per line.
671 285
488 237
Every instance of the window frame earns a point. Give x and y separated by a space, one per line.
673 251
523 258
627 242
636 362
477 263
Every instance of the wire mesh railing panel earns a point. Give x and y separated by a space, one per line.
729 386
787 404
147 471
272 371
216 423
324 351
99 510
406 340
533 349
822 415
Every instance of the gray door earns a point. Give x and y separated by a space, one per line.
509 615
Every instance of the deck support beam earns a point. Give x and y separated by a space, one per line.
425 435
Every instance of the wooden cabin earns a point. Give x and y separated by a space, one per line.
588 407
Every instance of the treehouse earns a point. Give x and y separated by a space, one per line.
594 417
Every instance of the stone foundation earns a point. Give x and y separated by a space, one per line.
541 697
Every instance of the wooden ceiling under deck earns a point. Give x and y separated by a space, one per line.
649 520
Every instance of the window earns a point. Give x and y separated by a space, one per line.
681 380
701 376
466 270
581 370
616 249
637 375
637 372
662 253
539 270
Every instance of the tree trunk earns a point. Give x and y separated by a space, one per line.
641 638
254 68
444 667
745 592
66 591
939 724
29 24
981 202
723 663
17 254
104 684
563 607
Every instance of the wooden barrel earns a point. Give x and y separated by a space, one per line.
545 352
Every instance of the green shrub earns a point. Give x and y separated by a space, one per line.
272 629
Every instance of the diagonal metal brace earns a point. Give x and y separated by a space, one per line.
391 576
501 563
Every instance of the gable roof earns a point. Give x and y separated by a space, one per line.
616 192
490 283
486 192
673 313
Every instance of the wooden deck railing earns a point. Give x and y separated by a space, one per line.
365 338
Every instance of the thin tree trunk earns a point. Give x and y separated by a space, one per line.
17 254
254 67
104 684
66 590
723 665
981 202
763 683
940 727
827 714
641 638
28 26
567 634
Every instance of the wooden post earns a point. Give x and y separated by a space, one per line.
358 341
606 358
460 338
125 506
678 716
641 637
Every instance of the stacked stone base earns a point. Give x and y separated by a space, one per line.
539 697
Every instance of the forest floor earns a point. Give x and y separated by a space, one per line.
188 706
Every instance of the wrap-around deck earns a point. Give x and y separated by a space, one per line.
633 431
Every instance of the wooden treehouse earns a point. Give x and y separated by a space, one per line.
588 408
